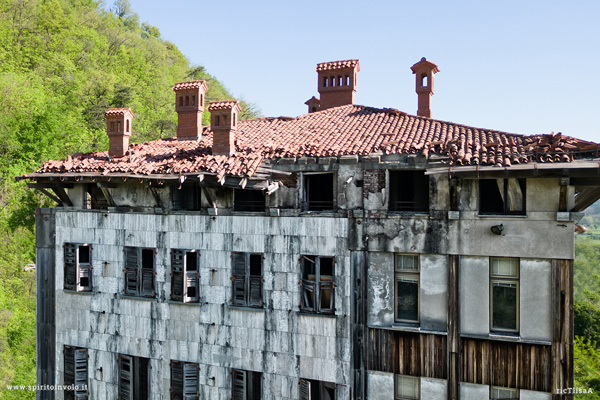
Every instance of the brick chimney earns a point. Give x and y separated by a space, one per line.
118 129
223 124
337 83
313 104
424 71
189 104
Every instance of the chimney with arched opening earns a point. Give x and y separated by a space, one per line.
189 104
424 71
118 129
223 124
337 83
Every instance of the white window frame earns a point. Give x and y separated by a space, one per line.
505 279
411 274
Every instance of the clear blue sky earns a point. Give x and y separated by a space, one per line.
518 66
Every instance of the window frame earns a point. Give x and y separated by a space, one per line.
136 374
398 273
76 372
78 269
245 385
505 279
141 276
515 391
189 279
306 388
522 185
245 281
237 206
414 192
305 192
180 194
398 396
187 381
316 287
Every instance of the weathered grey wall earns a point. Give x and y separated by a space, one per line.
531 395
535 299
381 385
278 340
434 389
473 284
380 289
470 391
433 303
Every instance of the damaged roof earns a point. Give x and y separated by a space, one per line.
345 130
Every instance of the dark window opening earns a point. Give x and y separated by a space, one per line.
75 372
316 390
181 101
246 385
502 196
318 192
118 126
127 124
217 120
201 99
193 100
247 279
325 81
407 288
318 284
185 277
313 109
409 191
184 381
112 126
187 101
187 198
248 200
139 272
233 119
134 374
77 267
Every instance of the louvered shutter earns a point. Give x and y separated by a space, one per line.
326 296
176 380
239 278
131 270
239 385
69 365
147 287
70 258
256 291
81 374
125 377
177 260
304 389
190 381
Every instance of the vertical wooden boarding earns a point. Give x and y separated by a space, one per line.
562 328
453 329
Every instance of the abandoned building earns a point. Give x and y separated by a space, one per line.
348 253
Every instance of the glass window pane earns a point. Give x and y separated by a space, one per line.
407 297
407 387
504 305
407 262
504 267
503 393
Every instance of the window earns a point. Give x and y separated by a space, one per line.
504 294
407 288
316 390
181 101
409 191
318 192
502 196
76 372
318 284
246 385
134 378
184 381
248 200
185 275
187 197
407 387
139 272
500 393
78 267
247 279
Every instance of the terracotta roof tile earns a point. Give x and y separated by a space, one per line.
338 131
326 66
224 105
118 111
190 85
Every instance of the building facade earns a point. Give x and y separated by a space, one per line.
348 253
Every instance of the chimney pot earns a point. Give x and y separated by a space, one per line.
189 104
118 129
223 124
424 71
336 83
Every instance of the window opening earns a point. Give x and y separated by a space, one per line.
500 393
187 101
127 125
318 192
187 198
316 390
76 372
502 196
194 100
246 385
180 101
409 191
318 284
347 79
504 293
407 387
407 288
134 373
139 272
185 277
184 381
247 279
248 200
77 267
424 80
325 81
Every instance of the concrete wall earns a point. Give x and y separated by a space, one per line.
277 340
470 391
381 387
434 389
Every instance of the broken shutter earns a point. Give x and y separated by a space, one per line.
304 389
125 377
239 278
190 381
176 380
326 296
69 355
239 385
84 266
70 258
147 273
177 270
192 277
81 373
256 291
131 270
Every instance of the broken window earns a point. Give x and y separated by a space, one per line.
406 387
502 196
316 390
247 279
407 288
500 393
184 381
317 284
248 200
139 272
134 378
185 275
78 267
76 372
409 191
318 192
246 385
504 294
187 197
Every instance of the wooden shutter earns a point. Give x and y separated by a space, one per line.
238 385
70 258
239 278
69 365
147 274
326 296
176 380
131 270
256 291
192 277
190 381
84 281
125 377
304 389
81 373
177 263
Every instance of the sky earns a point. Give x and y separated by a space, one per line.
521 66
